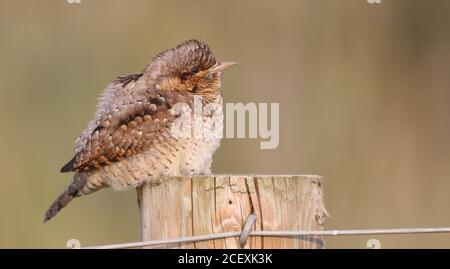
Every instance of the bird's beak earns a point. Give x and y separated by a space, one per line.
220 66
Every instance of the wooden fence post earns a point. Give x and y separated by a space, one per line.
177 207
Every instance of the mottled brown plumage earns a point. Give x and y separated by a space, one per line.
129 140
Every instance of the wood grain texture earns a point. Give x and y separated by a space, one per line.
186 206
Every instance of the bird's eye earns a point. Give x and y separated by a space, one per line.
194 70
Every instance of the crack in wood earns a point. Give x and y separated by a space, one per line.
255 181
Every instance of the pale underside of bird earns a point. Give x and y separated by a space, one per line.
130 141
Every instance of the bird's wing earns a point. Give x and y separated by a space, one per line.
127 129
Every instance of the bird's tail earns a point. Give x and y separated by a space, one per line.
72 191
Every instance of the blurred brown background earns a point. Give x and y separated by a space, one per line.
364 93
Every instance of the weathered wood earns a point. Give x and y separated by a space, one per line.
185 206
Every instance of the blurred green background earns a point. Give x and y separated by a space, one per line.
364 93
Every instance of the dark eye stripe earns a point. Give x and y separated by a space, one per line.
185 75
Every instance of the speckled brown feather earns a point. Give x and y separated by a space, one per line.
131 115
128 140
130 130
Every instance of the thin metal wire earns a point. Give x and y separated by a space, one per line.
200 238
191 239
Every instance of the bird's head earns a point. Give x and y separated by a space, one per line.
190 67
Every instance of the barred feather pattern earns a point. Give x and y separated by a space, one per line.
129 141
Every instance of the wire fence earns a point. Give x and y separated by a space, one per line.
194 239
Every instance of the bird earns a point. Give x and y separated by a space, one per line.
130 141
